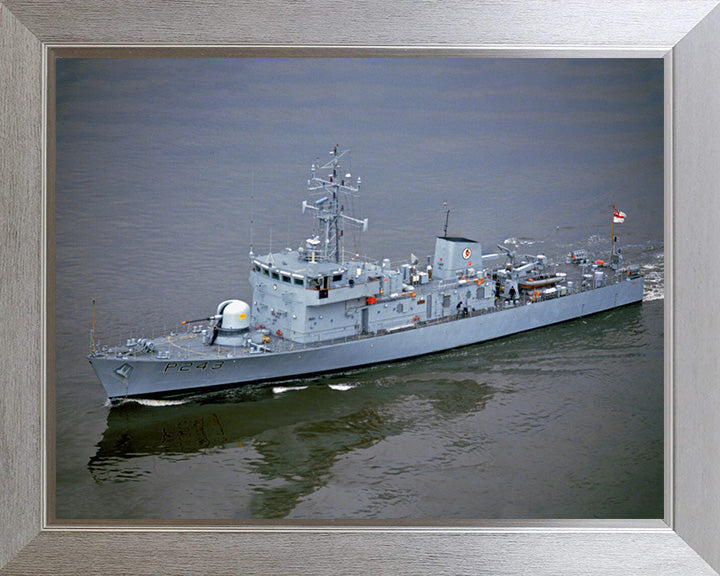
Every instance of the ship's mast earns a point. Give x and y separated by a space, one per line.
612 235
329 207
447 218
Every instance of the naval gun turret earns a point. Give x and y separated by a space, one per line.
230 324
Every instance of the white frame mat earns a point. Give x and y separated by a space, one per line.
686 33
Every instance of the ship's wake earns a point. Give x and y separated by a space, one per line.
654 279
342 387
152 402
283 389
517 242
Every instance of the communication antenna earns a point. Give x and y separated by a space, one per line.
447 218
330 208
92 332
252 201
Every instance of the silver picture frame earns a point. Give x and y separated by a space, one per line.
686 33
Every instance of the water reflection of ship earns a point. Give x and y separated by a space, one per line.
295 437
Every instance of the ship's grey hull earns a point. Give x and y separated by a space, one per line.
145 376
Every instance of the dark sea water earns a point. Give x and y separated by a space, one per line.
162 165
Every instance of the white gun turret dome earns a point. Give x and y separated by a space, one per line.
233 322
235 315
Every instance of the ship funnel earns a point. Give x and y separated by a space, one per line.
454 255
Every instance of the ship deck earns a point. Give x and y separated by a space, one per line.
188 345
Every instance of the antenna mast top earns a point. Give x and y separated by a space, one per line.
329 210
447 218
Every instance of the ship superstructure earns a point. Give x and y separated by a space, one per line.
318 309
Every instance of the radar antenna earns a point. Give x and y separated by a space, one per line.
329 209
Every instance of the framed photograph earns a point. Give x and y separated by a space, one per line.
159 183
179 442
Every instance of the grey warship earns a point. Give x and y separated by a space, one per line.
317 309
